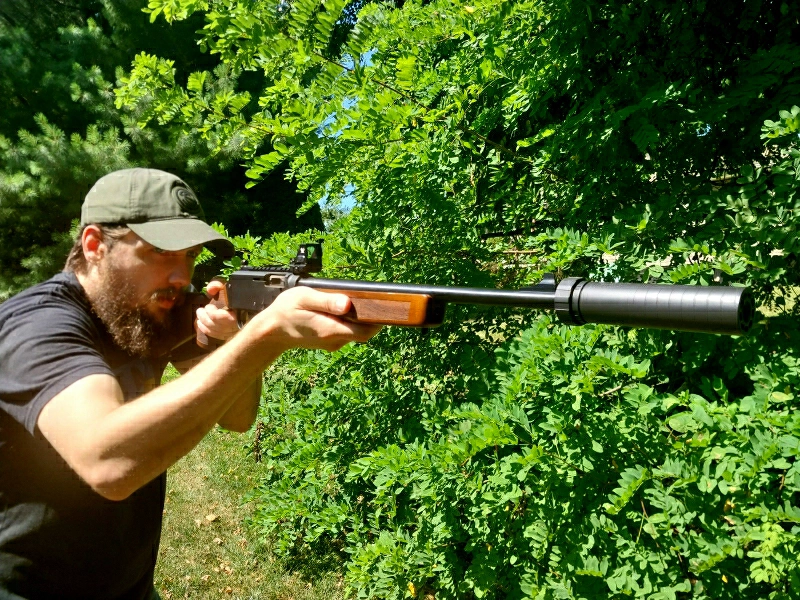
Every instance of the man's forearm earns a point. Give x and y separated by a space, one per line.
243 412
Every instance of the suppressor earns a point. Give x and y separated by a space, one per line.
728 310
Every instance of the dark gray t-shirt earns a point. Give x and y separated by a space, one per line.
58 538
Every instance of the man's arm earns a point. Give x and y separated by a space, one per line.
117 447
220 324
244 410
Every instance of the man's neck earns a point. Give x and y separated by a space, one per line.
86 284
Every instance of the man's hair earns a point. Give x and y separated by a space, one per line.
76 260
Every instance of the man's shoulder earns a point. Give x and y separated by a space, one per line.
61 290
56 309
49 339
60 285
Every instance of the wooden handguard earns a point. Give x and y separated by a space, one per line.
389 308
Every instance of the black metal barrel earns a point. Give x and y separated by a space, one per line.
453 295
708 309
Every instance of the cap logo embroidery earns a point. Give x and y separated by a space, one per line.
186 200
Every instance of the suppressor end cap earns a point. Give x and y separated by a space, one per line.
747 310
563 303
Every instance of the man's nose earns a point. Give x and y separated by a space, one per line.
181 273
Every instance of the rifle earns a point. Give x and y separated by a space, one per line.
718 309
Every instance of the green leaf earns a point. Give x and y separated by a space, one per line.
197 82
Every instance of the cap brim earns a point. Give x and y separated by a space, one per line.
180 234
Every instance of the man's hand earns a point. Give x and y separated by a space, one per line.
302 317
213 321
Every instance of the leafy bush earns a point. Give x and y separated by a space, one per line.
504 455
577 475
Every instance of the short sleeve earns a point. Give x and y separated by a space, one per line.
47 343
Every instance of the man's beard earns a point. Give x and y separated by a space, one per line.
132 326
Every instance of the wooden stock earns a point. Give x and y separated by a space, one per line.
388 308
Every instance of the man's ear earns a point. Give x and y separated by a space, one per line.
94 245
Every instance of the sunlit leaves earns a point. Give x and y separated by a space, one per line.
505 455
174 9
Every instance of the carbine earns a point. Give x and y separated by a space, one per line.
717 309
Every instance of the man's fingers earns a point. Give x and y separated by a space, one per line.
317 301
216 322
336 304
214 287
313 319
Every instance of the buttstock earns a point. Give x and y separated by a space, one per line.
389 308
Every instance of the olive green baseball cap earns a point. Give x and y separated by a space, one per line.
157 206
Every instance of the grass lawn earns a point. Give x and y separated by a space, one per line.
207 550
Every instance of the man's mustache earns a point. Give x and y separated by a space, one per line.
169 294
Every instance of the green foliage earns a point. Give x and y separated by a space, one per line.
43 171
573 474
503 455
60 128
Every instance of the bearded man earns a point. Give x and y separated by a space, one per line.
86 431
